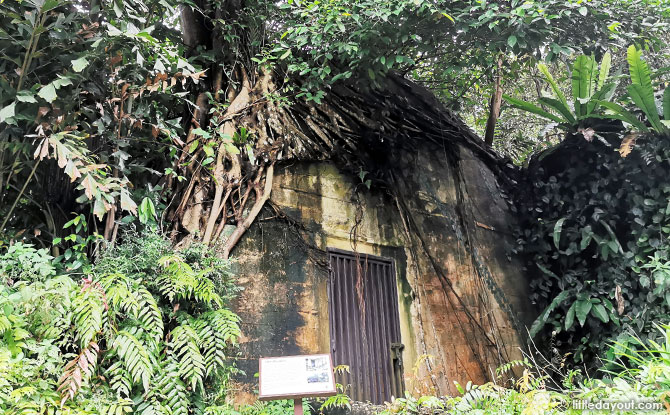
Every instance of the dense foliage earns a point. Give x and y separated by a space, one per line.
116 114
642 386
453 43
104 105
145 331
89 113
597 219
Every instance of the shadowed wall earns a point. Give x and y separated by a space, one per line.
462 298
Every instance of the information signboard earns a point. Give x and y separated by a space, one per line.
294 377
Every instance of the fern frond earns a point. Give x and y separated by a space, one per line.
88 313
121 297
5 324
502 370
120 407
227 323
205 290
111 279
149 313
136 358
217 331
172 391
180 281
119 379
77 372
184 347
151 406
176 279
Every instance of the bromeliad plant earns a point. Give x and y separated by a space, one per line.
592 93
146 331
641 93
591 88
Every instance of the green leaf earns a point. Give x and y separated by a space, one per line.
583 10
570 317
209 151
615 245
583 82
554 86
620 113
547 271
50 5
194 145
639 71
582 310
645 282
230 148
605 66
146 211
62 81
587 236
48 92
542 319
603 94
511 41
448 17
641 91
599 311
371 74
79 64
202 133
127 203
26 96
666 104
560 107
644 99
557 232
532 108
8 112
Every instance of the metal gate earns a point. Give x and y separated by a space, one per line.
364 325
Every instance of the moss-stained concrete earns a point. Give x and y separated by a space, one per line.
461 298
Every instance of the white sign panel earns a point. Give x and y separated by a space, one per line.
302 376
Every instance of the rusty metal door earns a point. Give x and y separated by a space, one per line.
364 325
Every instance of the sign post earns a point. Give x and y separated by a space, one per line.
296 377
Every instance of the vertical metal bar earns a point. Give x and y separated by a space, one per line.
363 328
385 338
396 319
355 345
332 309
352 325
384 345
375 369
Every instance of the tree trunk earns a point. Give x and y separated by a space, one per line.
494 106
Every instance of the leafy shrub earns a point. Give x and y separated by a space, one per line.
643 375
143 331
597 242
25 262
591 87
597 221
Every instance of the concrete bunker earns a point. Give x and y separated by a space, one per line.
459 300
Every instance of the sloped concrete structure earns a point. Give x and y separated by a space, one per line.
441 216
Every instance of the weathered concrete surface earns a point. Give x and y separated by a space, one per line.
447 227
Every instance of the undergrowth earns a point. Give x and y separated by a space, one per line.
642 379
147 330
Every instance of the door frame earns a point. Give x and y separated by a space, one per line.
396 379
